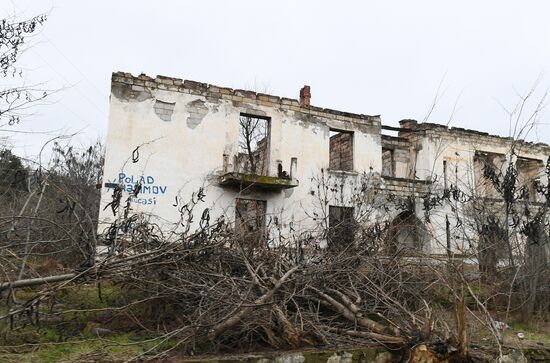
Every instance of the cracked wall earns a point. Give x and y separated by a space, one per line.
188 135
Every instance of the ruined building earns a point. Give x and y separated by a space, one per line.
274 166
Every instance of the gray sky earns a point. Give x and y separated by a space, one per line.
372 57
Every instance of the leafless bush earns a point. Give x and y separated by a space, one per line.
51 213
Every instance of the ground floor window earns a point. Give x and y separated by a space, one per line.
341 224
250 221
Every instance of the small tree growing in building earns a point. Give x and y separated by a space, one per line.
253 144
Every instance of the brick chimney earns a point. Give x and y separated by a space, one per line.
305 96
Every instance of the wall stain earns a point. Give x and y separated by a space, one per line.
126 92
288 192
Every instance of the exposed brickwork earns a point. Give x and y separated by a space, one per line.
417 130
392 142
217 93
164 110
197 111
305 96
403 187
396 156
341 151
408 124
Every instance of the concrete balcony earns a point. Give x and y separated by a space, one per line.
242 180
243 177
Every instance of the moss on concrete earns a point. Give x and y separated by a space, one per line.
237 179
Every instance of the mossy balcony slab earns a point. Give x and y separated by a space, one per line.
235 179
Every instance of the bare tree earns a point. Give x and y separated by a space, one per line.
16 100
253 144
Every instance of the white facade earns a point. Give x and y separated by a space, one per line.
175 158
447 157
177 137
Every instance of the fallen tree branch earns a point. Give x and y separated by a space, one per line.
349 315
36 281
382 338
228 323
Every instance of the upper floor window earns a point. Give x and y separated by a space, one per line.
341 150
529 172
253 150
488 168
388 162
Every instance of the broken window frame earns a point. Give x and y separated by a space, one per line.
483 185
392 165
247 163
351 167
528 179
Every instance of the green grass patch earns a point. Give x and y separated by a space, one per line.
113 348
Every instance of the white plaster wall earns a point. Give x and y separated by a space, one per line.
179 159
459 153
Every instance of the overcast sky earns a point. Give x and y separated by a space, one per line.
371 57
